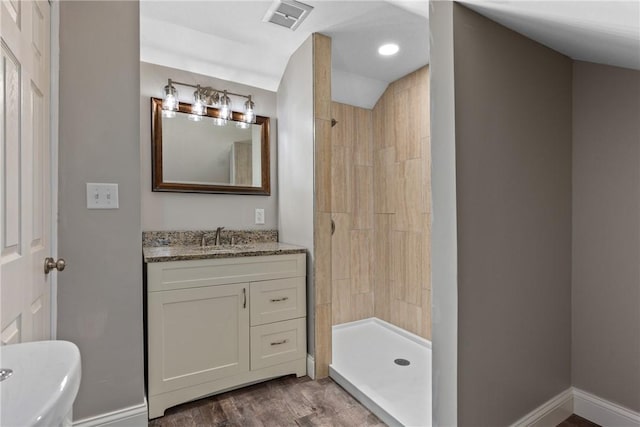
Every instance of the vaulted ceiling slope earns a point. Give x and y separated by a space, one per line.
604 32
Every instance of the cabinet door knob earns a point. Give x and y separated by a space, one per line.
51 264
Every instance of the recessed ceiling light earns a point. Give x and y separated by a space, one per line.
388 49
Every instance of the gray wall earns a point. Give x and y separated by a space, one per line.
188 211
606 232
444 273
513 148
295 163
100 292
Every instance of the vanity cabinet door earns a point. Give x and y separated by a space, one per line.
197 335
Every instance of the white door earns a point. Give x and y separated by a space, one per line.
25 171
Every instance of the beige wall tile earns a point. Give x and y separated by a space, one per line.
361 261
426 253
379 122
406 125
362 205
423 90
341 179
323 340
321 77
323 165
363 305
390 115
397 261
426 174
410 196
363 147
426 314
341 304
406 266
381 266
322 254
384 177
381 248
405 83
341 247
343 133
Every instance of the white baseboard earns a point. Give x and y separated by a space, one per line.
311 367
603 412
550 413
133 416
586 405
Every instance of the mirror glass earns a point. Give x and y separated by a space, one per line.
209 155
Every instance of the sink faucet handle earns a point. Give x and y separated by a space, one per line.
218 230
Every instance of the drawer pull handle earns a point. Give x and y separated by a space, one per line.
279 299
280 342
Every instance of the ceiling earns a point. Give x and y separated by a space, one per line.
605 32
228 40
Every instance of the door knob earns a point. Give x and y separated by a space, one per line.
51 264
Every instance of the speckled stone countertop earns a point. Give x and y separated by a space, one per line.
172 246
185 253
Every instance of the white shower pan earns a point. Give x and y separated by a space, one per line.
370 361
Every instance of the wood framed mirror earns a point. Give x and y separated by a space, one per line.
208 155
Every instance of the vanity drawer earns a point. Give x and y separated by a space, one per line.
276 300
278 342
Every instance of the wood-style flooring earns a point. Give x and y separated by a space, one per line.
576 421
286 401
283 402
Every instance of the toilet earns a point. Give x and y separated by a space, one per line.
40 381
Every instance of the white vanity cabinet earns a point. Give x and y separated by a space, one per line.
217 324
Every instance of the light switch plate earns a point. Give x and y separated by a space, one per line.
102 196
259 216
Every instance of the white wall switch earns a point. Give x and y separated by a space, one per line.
102 196
259 216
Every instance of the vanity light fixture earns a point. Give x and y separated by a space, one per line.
198 108
388 49
170 100
249 115
204 97
225 107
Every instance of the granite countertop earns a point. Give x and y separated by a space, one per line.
184 253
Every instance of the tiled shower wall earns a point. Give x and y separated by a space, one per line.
381 204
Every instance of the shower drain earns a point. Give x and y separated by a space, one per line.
402 362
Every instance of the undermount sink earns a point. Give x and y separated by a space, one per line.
43 384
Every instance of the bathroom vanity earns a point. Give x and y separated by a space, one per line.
219 317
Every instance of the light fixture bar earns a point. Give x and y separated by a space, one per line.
203 97
209 89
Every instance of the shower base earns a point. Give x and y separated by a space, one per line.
386 368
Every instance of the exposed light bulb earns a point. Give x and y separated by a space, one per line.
170 98
198 108
194 117
243 125
225 107
219 122
249 115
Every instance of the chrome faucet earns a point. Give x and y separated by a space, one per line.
217 239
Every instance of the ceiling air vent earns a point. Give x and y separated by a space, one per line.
287 13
